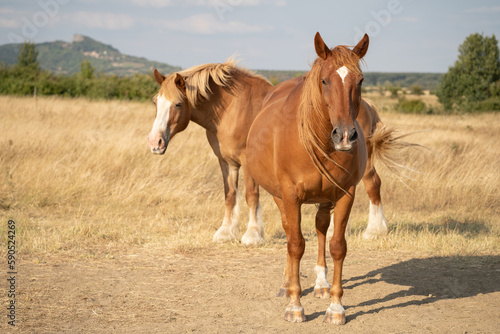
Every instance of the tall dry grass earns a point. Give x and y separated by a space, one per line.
78 178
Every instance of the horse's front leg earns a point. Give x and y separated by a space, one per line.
335 314
322 288
229 229
284 289
255 231
295 247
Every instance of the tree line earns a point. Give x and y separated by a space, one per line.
26 78
471 84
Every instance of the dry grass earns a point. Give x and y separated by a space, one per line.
79 180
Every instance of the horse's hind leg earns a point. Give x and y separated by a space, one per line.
322 288
229 230
255 231
377 223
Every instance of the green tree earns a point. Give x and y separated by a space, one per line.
27 58
86 69
469 81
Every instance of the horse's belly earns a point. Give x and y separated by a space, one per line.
260 154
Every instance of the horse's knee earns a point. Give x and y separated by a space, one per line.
338 248
252 198
231 198
296 247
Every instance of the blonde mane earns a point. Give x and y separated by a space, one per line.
314 126
197 80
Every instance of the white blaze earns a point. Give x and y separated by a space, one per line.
162 115
343 71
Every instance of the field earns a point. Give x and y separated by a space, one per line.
111 238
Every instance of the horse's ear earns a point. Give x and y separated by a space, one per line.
158 77
322 49
180 83
362 46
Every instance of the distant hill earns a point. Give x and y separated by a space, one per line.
61 57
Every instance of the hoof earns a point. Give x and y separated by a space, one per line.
225 234
322 293
283 293
295 314
252 237
335 315
374 233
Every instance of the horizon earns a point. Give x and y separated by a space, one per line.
237 59
263 34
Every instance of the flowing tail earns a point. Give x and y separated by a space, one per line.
387 144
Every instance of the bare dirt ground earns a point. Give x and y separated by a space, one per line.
231 289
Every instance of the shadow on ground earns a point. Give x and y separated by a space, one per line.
434 278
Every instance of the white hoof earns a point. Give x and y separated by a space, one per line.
335 314
370 234
226 234
321 288
253 237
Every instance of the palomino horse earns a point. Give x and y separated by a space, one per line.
224 99
307 146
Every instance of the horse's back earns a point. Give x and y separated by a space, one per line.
240 106
282 89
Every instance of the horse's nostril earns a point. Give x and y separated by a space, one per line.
336 136
160 141
353 135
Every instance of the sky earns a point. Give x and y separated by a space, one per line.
405 35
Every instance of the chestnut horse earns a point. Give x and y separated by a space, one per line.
224 99
307 146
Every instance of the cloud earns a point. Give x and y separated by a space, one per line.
110 21
207 24
483 10
9 23
6 11
205 3
167 3
409 19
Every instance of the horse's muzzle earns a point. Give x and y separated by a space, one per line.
344 138
157 143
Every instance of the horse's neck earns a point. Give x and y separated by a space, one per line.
208 113
206 116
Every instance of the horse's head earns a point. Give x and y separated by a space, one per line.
172 111
340 79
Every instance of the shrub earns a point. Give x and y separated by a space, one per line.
491 104
417 90
412 107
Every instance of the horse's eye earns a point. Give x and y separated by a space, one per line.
178 105
361 81
323 82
